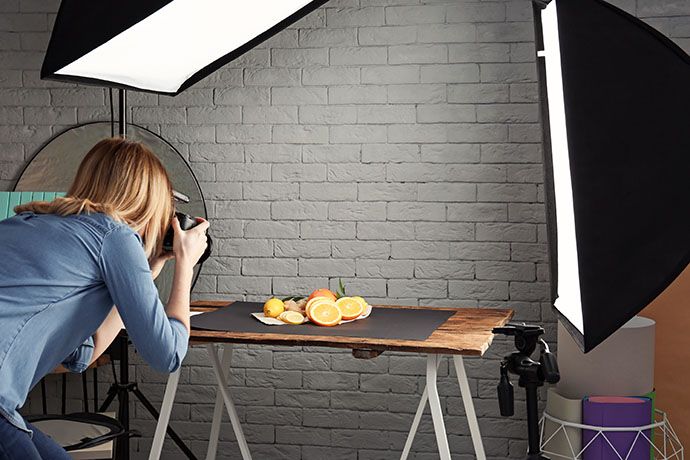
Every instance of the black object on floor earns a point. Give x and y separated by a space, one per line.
384 323
121 390
109 428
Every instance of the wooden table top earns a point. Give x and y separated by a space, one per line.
467 332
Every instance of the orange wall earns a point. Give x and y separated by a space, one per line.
671 311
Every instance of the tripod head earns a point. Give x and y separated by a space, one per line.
526 335
532 374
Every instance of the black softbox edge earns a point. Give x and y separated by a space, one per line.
586 342
48 74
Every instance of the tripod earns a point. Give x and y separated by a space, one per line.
121 389
532 374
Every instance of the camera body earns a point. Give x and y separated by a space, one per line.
186 222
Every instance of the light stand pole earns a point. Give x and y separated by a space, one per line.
123 387
122 99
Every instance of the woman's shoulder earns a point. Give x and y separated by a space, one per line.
104 223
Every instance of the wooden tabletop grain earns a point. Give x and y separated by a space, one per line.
467 332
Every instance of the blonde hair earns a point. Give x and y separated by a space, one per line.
124 180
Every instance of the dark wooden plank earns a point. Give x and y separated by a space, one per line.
467 332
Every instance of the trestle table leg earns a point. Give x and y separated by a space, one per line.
469 407
164 418
226 357
229 405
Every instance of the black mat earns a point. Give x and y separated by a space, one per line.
383 323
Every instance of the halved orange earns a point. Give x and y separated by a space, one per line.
361 301
314 301
325 314
349 307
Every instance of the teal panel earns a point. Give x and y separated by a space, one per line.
8 200
60 194
15 199
4 204
26 197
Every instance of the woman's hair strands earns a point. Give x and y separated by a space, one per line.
124 180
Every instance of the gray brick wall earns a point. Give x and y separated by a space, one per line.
393 143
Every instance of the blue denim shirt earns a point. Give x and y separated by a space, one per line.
59 278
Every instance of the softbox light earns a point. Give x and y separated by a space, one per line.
160 46
615 112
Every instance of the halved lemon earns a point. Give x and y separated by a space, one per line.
325 314
349 307
291 317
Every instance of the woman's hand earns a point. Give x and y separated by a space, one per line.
158 262
189 246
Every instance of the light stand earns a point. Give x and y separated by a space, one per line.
532 375
122 388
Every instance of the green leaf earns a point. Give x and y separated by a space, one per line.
341 289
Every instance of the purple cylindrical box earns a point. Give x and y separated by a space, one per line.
616 411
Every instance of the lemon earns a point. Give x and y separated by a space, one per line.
291 317
273 307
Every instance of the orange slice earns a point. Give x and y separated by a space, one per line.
361 301
315 301
325 314
350 308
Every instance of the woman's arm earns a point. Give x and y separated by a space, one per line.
160 335
106 333
112 325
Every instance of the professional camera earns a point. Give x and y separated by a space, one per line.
186 222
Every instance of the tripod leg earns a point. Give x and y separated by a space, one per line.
122 445
229 405
226 358
469 407
435 405
532 422
112 392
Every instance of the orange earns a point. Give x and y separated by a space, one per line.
322 293
314 301
361 301
349 307
325 314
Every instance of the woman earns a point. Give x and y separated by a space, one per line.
73 270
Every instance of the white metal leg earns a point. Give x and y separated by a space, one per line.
164 417
226 357
415 422
415 425
435 405
223 387
469 407
467 401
